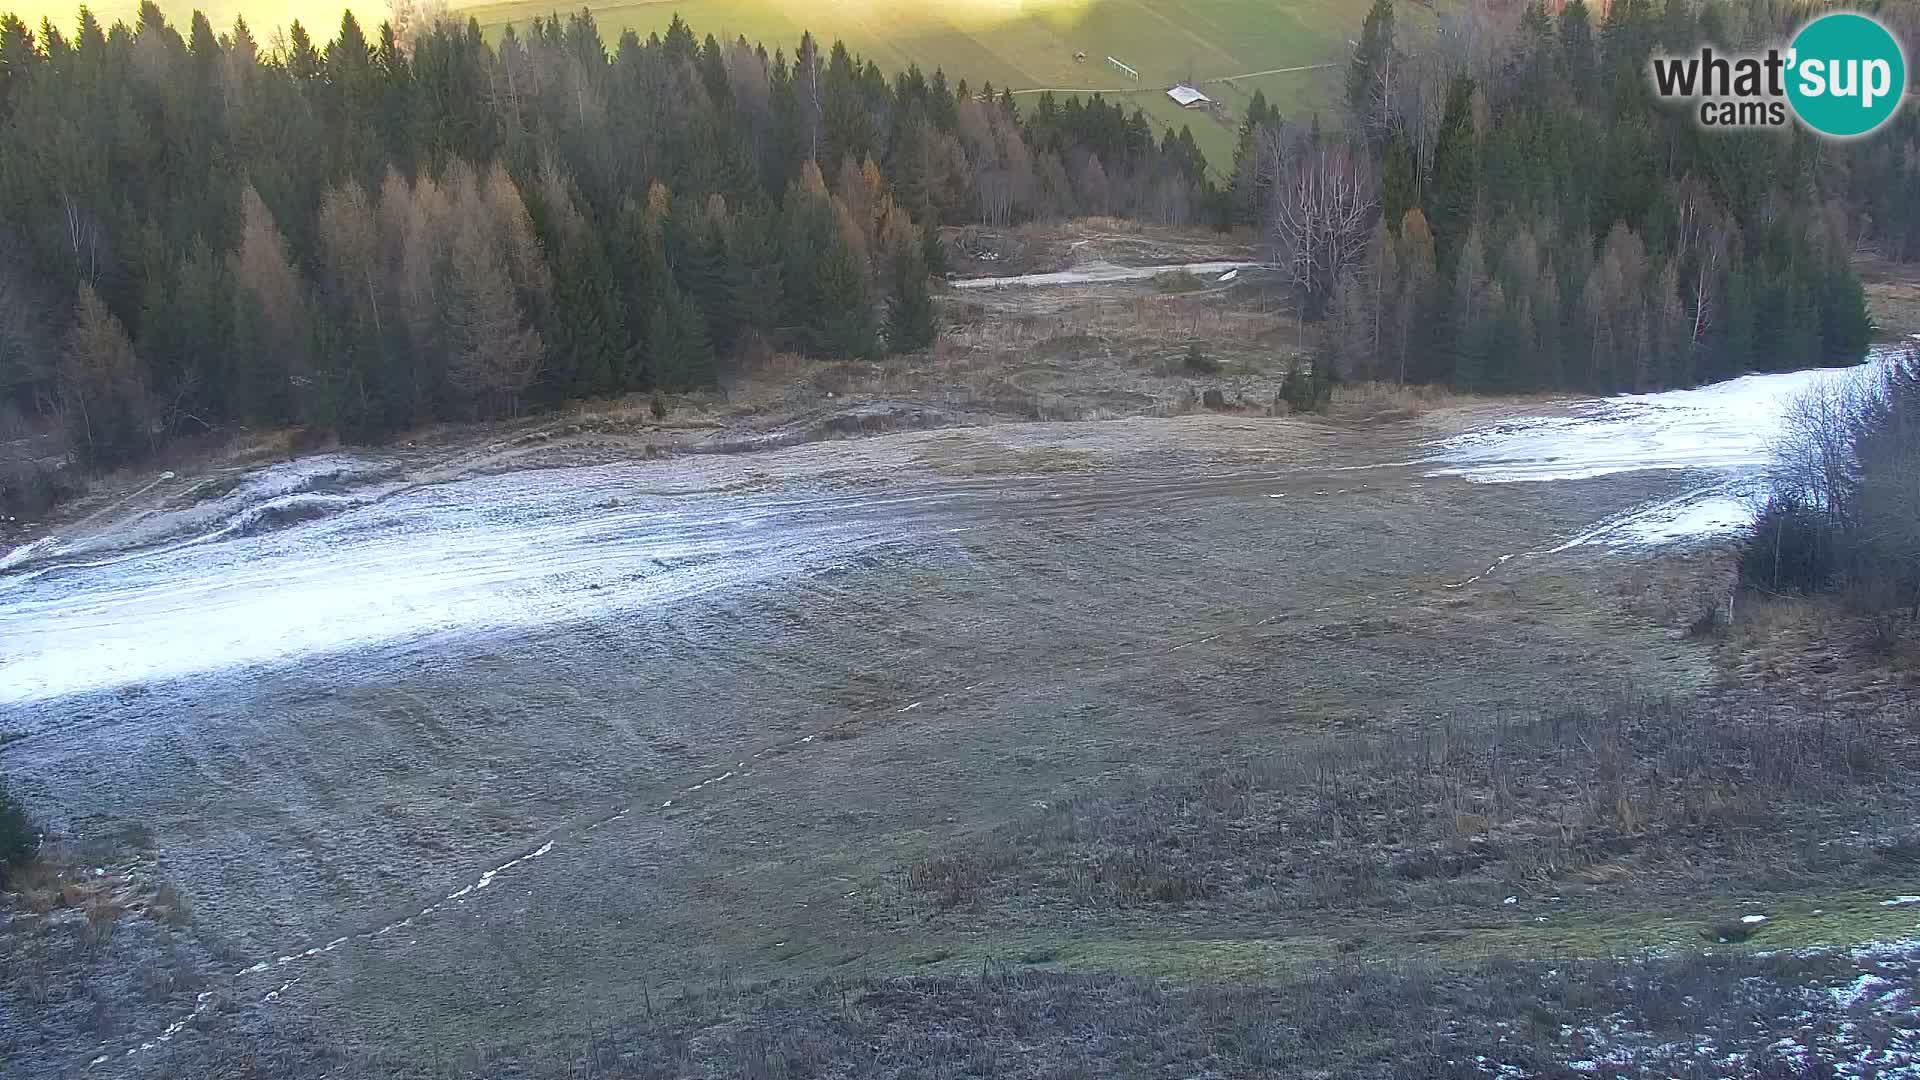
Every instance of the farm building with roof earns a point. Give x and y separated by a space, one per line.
1188 98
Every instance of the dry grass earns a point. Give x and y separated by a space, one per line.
1699 1015
1815 649
169 906
1455 814
1392 400
1893 295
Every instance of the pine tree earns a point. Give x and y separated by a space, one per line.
587 342
912 323
842 326
1576 47
754 280
1372 59
682 357
933 253
1452 196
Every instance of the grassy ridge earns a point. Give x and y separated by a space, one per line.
1028 44
1018 44
1023 44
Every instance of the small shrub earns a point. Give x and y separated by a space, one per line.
1709 619
18 840
29 488
1308 390
170 906
1179 281
1793 548
1198 362
1884 632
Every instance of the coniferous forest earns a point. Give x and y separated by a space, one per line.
1510 208
366 234
201 231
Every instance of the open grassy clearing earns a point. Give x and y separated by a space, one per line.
1693 1014
1020 46
1893 296
1014 45
1179 740
1602 809
1033 45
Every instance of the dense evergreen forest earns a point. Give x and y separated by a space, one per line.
1509 208
201 232
361 236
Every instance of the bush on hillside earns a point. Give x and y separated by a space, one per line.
18 840
1844 511
1793 548
1197 361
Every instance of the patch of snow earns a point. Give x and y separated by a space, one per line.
288 576
1099 274
1753 920
1901 901
1859 990
21 554
1725 428
1714 515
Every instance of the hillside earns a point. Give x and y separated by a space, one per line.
1033 44
1024 44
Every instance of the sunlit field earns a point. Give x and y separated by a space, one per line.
1022 44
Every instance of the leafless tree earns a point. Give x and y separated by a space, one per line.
411 18
267 279
103 384
493 355
1704 230
350 249
1812 462
1323 204
83 238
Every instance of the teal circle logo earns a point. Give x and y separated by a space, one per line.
1846 75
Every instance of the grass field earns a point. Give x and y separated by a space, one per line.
1031 44
1018 43
1023 44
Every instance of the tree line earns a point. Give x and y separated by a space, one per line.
1510 208
202 232
1843 499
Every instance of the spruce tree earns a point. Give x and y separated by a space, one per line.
1452 195
682 356
912 323
1371 59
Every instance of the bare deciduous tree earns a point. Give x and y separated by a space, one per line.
411 18
350 249
492 354
103 385
1323 204
267 279
1704 231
